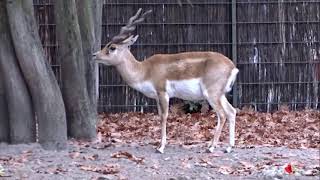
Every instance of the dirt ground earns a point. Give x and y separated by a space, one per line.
281 145
140 161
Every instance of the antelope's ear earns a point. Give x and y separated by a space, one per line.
130 40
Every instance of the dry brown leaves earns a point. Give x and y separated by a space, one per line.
103 169
18 160
52 170
295 129
123 154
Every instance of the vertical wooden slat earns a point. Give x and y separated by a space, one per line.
234 47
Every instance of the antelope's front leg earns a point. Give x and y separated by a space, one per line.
163 100
159 108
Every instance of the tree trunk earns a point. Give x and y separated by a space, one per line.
46 96
97 18
19 105
86 25
4 119
81 114
90 29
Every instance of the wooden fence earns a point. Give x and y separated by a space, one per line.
275 44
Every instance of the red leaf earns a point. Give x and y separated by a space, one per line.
288 169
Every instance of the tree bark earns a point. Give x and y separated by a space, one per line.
18 101
4 119
90 29
86 26
97 18
97 6
81 114
46 96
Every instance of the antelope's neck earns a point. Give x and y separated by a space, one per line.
131 70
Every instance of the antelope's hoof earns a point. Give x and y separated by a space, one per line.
211 149
160 150
228 150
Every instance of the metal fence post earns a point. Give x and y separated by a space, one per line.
234 47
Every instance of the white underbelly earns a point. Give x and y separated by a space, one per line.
190 89
185 89
146 88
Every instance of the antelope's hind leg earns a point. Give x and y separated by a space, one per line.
221 115
231 116
163 99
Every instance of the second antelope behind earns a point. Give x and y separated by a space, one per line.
188 76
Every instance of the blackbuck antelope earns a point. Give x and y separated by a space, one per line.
188 75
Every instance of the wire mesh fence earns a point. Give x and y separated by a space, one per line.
275 44
44 13
278 54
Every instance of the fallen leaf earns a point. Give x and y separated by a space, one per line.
98 138
56 170
185 163
116 135
216 154
155 166
123 154
116 140
1 171
102 146
226 170
74 155
104 169
91 157
205 162
312 172
247 165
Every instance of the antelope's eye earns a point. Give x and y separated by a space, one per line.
112 48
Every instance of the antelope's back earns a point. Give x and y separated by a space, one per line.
188 65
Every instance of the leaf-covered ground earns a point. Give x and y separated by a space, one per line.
296 129
283 144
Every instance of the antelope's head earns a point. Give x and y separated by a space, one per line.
115 51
